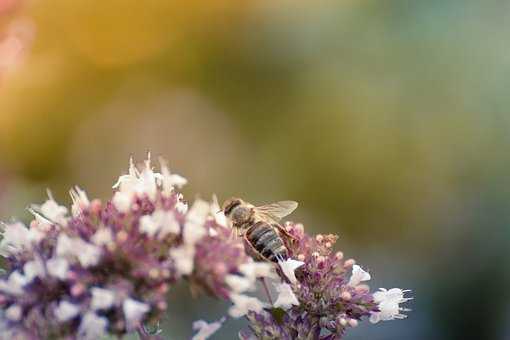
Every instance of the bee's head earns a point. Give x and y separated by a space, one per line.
230 204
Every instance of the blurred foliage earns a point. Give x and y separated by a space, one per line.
387 120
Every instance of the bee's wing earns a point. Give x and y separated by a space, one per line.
278 210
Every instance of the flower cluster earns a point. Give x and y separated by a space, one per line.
325 296
106 267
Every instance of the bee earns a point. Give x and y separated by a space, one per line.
260 226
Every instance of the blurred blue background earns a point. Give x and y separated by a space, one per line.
387 120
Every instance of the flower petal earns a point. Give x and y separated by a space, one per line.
358 276
286 297
205 330
288 267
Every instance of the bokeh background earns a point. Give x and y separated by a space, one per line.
387 120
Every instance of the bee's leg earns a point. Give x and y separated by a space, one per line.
266 289
234 233
279 268
284 231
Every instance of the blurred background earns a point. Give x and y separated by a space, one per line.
387 120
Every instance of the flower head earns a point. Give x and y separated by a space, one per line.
286 297
323 296
106 267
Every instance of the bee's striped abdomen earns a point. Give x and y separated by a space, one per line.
264 238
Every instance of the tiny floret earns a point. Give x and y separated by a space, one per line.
58 267
134 312
160 222
101 298
33 269
16 238
254 270
239 284
80 200
389 304
66 311
244 304
286 297
183 257
52 211
288 267
358 276
92 326
14 284
205 330
14 313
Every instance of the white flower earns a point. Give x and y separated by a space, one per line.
160 222
14 312
102 237
243 304
32 269
14 284
144 182
92 327
101 298
122 201
52 211
168 180
127 183
134 183
183 257
147 181
286 297
288 267
358 275
194 227
205 330
251 272
16 238
88 254
148 225
389 301
66 311
80 200
57 267
65 245
37 232
239 284
181 206
134 312
254 270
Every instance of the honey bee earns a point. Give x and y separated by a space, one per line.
260 226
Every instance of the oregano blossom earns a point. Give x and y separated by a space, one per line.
106 268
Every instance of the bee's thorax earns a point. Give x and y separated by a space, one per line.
242 215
